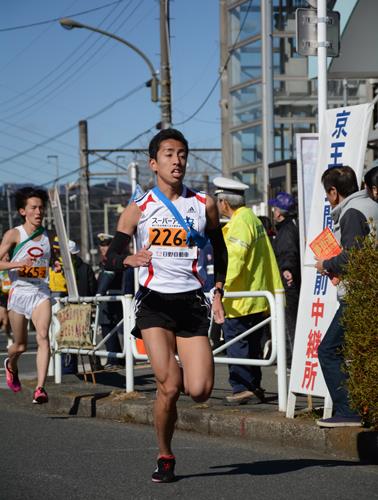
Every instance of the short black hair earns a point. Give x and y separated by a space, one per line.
371 177
163 135
23 194
342 178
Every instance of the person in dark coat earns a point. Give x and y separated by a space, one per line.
112 283
287 251
85 276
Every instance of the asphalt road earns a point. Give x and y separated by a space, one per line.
46 456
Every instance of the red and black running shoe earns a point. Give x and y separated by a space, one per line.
40 396
165 470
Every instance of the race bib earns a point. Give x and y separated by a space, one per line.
38 270
168 242
32 272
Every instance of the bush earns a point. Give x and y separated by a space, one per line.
361 324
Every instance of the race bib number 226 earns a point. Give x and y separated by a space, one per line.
168 242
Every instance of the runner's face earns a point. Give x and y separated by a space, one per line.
33 211
170 165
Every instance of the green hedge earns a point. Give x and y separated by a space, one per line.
361 323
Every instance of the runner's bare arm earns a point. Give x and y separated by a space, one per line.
129 219
9 241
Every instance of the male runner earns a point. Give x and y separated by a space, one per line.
29 297
172 312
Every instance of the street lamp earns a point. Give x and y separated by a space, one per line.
68 187
71 24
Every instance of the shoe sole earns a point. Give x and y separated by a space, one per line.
163 480
39 402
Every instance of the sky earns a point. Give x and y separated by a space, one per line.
51 78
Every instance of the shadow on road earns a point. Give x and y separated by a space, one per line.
270 467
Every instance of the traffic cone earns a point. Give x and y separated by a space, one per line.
140 346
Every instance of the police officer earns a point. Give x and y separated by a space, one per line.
251 266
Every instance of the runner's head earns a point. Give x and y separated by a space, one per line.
168 157
164 135
31 203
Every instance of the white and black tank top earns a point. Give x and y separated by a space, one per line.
174 266
38 274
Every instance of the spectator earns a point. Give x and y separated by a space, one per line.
287 251
267 223
371 182
85 276
112 283
57 280
354 215
251 266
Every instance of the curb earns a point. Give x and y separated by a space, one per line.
260 427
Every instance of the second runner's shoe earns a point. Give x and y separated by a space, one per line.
40 396
13 381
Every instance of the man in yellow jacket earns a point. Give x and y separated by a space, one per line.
252 266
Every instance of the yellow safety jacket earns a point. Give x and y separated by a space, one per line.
57 281
252 264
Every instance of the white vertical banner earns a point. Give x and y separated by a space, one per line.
307 146
69 273
342 141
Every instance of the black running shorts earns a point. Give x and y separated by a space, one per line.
186 314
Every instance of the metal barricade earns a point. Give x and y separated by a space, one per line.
126 301
130 352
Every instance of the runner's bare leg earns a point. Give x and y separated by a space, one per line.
161 349
20 338
41 319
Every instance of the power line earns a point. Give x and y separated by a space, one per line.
39 23
29 131
124 145
58 71
66 131
34 143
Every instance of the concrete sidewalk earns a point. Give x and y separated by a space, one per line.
254 421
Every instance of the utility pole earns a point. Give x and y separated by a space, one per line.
267 93
83 183
322 60
226 154
165 70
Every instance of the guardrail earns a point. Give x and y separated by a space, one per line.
130 352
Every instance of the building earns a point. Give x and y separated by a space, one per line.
268 94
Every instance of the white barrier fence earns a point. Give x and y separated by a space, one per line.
130 352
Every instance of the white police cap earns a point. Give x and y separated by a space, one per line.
230 186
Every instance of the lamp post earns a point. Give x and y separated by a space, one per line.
69 198
71 24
